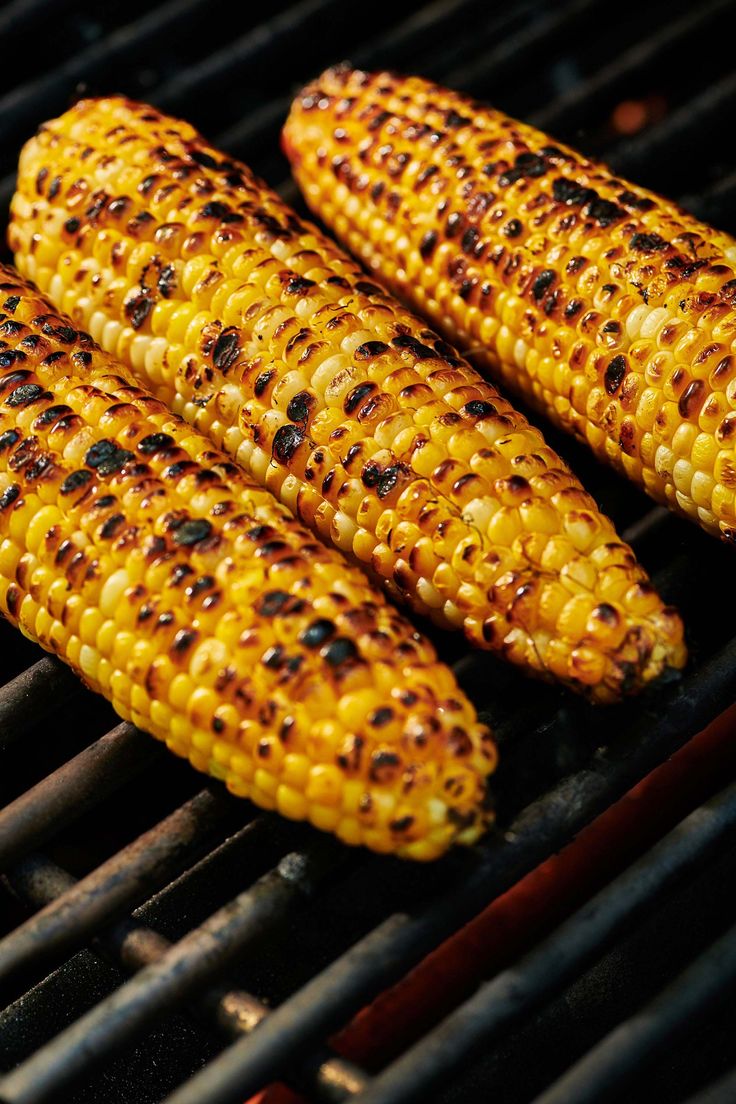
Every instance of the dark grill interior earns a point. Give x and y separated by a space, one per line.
175 919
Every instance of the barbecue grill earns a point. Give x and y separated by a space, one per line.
162 941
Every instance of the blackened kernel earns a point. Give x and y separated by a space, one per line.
648 243
428 244
381 717
606 614
9 438
273 658
107 457
263 381
542 283
183 640
479 408
112 526
298 285
227 348
138 308
356 396
286 441
11 303
273 602
153 442
24 395
299 406
75 481
614 375
389 479
370 349
192 532
339 651
470 239
204 582
512 229
72 225
316 634
454 223
9 496
573 307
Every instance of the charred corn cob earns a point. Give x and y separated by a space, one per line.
208 616
261 332
609 308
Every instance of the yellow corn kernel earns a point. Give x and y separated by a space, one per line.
340 401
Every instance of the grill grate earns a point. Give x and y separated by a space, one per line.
230 921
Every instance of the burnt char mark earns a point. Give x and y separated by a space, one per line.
648 243
287 439
339 651
192 532
75 481
356 396
428 244
318 633
9 496
299 407
369 350
227 349
107 457
166 282
615 373
542 283
153 442
263 381
26 394
9 438
479 408
183 641
138 308
417 348
298 285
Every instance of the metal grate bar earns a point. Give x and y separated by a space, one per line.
21 14
223 64
382 50
574 106
186 968
32 695
514 51
122 882
78 785
391 949
636 1044
722 1091
133 946
21 109
524 987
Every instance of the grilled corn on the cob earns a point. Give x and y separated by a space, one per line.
208 615
261 332
608 307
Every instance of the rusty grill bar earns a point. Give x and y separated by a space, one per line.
190 892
